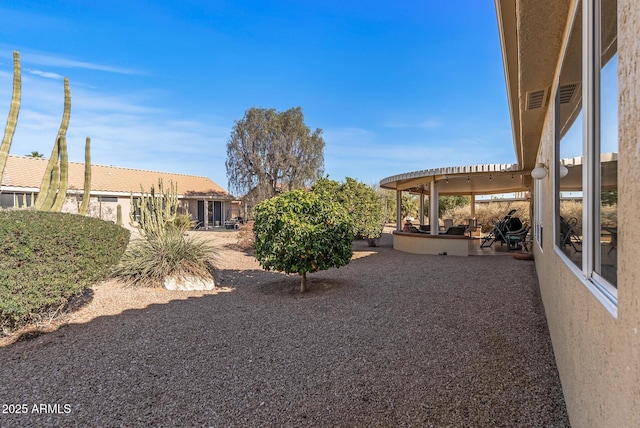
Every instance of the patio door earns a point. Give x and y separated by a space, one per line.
201 212
217 212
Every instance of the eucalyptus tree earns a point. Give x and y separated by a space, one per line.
270 151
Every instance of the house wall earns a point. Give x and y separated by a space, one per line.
192 208
104 210
598 353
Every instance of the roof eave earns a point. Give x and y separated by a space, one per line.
508 34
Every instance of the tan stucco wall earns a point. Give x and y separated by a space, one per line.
598 355
107 211
427 244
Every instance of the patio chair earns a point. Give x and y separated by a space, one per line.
424 228
518 238
447 224
498 233
568 235
456 230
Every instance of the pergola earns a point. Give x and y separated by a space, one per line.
488 179
472 180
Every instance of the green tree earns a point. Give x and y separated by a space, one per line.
446 203
388 199
409 207
300 232
361 202
271 151
35 154
609 197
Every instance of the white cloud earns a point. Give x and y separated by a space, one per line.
431 123
46 74
126 129
28 56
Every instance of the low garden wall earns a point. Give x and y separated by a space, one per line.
423 243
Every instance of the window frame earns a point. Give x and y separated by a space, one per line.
605 292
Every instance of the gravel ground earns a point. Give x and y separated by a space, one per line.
393 339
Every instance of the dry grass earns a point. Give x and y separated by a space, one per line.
489 213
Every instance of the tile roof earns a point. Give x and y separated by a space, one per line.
27 172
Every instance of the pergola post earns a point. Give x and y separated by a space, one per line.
434 225
398 210
473 205
421 213
206 215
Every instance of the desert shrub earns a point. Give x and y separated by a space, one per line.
47 258
450 203
571 208
165 250
300 232
182 223
488 213
147 262
609 215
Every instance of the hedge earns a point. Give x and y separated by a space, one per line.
47 258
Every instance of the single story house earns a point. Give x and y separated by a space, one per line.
208 203
572 72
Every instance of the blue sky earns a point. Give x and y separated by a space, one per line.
158 84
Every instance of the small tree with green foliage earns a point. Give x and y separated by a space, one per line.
409 207
361 202
300 232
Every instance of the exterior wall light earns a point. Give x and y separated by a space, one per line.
563 171
539 172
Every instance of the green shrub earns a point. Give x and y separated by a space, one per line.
46 258
147 262
300 232
362 203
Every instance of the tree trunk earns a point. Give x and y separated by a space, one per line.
303 283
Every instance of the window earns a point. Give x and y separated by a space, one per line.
606 232
23 199
587 148
569 138
7 200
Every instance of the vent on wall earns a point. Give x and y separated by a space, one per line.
567 92
536 99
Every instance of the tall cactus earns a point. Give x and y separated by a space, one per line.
50 180
12 120
87 178
64 177
156 210
119 215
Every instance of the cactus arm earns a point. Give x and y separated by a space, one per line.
12 120
50 180
157 210
45 184
64 177
87 178
53 183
